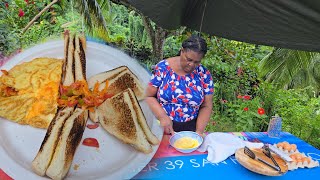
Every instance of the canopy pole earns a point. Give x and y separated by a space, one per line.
204 10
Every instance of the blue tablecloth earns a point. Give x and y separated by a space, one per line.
196 166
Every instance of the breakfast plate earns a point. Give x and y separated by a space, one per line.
19 144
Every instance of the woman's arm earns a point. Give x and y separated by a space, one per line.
157 109
204 114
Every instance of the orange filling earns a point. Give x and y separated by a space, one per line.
78 94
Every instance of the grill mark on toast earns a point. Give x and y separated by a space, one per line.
69 69
75 136
79 61
44 156
83 57
66 49
142 119
74 59
64 151
116 74
126 127
53 122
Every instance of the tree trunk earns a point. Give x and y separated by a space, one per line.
157 45
156 33
157 36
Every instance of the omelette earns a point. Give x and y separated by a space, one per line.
29 92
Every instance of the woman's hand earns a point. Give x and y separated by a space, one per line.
201 134
166 123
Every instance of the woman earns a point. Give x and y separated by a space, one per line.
180 90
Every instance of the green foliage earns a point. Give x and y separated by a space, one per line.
241 113
17 15
290 69
300 114
172 45
94 13
8 40
127 32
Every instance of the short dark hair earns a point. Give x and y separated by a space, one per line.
195 43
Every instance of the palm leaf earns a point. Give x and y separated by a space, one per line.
104 4
287 68
63 4
97 14
92 14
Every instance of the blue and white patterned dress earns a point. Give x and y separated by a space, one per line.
181 96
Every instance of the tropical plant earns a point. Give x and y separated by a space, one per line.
95 15
291 69
300 114
16 14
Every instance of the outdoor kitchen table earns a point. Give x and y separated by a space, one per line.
170 164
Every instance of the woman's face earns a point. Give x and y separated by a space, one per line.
189 60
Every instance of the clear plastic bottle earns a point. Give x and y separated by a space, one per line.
275 126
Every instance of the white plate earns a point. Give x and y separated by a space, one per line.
113 160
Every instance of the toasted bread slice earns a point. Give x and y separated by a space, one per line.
47 148
66 147
79 59
120 119
102 77
65 131
80 63
141 118
94 116
68 67
66 53
119 79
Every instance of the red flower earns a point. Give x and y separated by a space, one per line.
239 97
246 109
7 5
223 101
27 1
21 13
261 111
246 97
214 123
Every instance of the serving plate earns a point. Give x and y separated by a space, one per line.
19 144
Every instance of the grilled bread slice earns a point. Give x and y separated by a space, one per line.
80 63
120 120
68 67
119 79
44 156
102 77
65 131
141 118
69 140
80 59
47 148
95 115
